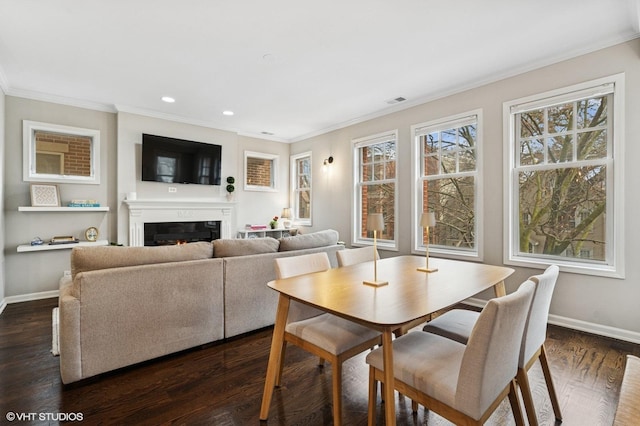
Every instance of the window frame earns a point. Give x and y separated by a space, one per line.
294 189
613 266
444 123
356 205
273 159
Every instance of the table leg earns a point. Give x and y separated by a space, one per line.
499 289
389 399
277 342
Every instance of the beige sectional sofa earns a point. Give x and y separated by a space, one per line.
124 305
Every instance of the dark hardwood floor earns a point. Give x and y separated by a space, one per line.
222 384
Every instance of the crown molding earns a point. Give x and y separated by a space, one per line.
4 83
57 99
512 72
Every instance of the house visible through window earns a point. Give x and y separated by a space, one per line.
375 187
446 153
564 152
301 188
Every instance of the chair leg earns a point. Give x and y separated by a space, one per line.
281 367
523 380
547 377
373 397
337 392
515 404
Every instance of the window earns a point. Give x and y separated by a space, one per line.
565 178
375 187
301 188
446 159
260 171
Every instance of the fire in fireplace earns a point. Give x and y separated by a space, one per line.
171 233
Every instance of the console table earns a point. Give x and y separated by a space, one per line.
261 233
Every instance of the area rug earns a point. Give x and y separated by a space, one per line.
55 316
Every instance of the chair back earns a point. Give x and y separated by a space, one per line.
287 267
535 331
358 255
490 360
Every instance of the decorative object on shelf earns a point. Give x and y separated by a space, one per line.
66 239
274 222
286 216
91 234
427 220
37 241
230 187
375 223
83 203
45 195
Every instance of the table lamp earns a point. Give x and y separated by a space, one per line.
426 220
375 223
286 217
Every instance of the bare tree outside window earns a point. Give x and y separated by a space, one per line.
562 178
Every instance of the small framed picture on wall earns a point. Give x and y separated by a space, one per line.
45 195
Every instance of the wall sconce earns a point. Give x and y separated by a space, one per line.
327 162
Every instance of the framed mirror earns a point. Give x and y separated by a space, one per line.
260 171
62 154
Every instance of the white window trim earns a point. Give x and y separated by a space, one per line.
358 143
274 171
615 226
416 200
294 185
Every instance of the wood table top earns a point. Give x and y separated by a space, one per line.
410 294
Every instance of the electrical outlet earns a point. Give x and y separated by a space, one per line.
173 189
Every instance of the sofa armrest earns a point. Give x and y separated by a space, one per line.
69 336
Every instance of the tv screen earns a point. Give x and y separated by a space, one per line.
173 160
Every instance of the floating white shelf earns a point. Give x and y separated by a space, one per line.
63 209
28 247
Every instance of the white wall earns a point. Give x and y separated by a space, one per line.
2 226
37 272
250 207
608 306
257 207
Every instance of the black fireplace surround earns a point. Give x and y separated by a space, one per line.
171 233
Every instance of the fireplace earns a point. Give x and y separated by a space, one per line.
178 217
171 233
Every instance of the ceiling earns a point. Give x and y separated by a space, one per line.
288 69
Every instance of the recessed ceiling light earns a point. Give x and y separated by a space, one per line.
228 113
168 99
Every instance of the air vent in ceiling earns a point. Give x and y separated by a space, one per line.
396 100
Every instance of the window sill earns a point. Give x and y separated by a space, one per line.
573 268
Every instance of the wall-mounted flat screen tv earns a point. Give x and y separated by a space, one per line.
174 160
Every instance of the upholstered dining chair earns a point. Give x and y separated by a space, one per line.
325 335
462 383
457 324
357 255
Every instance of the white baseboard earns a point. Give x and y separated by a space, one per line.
3 304
574 324
29 297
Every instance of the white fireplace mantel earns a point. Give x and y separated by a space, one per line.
154 211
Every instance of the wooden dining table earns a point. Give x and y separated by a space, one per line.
409 295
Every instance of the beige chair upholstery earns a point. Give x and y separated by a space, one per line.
628 409
358 255
330 337
457 324
464 384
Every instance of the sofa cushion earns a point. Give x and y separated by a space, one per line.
103 257
242 247
324 238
